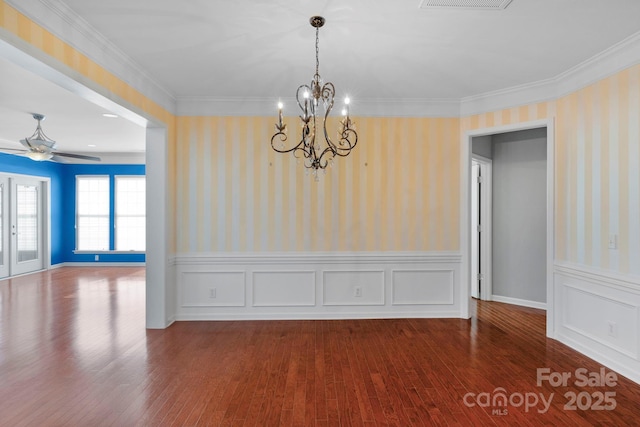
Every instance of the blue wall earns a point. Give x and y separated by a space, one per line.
63 202
22 165
69 208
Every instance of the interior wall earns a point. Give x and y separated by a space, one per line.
598 174
63 202
398 190
482 146
11 164
519 215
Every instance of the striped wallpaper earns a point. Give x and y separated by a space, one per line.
597 173
598 180
397 191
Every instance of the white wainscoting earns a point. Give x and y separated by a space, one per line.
317 285
598 314
432 287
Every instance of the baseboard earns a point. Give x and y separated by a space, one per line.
319 316
522 302
101 264
610 363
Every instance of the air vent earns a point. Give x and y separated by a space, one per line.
465 4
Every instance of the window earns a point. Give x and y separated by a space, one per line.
27 222
92 213
130 214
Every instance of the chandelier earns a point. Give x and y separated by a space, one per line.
315 146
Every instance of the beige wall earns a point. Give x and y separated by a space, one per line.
399 190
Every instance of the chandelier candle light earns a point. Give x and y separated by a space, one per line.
310 98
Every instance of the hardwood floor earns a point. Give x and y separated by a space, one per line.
74 352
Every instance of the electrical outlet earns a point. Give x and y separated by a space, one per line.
212 293
613 241
612 329
357 292
97 258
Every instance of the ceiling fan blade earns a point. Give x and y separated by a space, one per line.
18 150
58 159
76 156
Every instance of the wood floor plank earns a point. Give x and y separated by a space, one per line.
74 351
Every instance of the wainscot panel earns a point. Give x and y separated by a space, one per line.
284 288
598 314
212 288
353 287
317 285
422 287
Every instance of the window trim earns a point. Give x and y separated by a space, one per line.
77 214
115 213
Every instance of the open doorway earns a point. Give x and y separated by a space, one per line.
519 264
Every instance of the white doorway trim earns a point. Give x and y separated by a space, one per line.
160 276
465 209
485 249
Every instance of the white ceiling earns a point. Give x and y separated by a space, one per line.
264 49
76 124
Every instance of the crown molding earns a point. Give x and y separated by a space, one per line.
530 93
612 60
212 106
606 63
56 17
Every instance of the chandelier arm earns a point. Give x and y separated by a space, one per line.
328 93
283 138
330 153
340 149
300 96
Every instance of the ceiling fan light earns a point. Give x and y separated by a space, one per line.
37 142
39 156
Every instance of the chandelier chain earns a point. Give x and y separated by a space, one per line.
317 51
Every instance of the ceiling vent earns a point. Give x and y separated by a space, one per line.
465 4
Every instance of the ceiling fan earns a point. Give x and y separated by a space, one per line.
39 147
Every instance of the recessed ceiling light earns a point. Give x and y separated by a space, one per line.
111 116
91 145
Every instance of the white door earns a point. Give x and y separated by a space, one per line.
26 225
4 226
481 217
475 237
